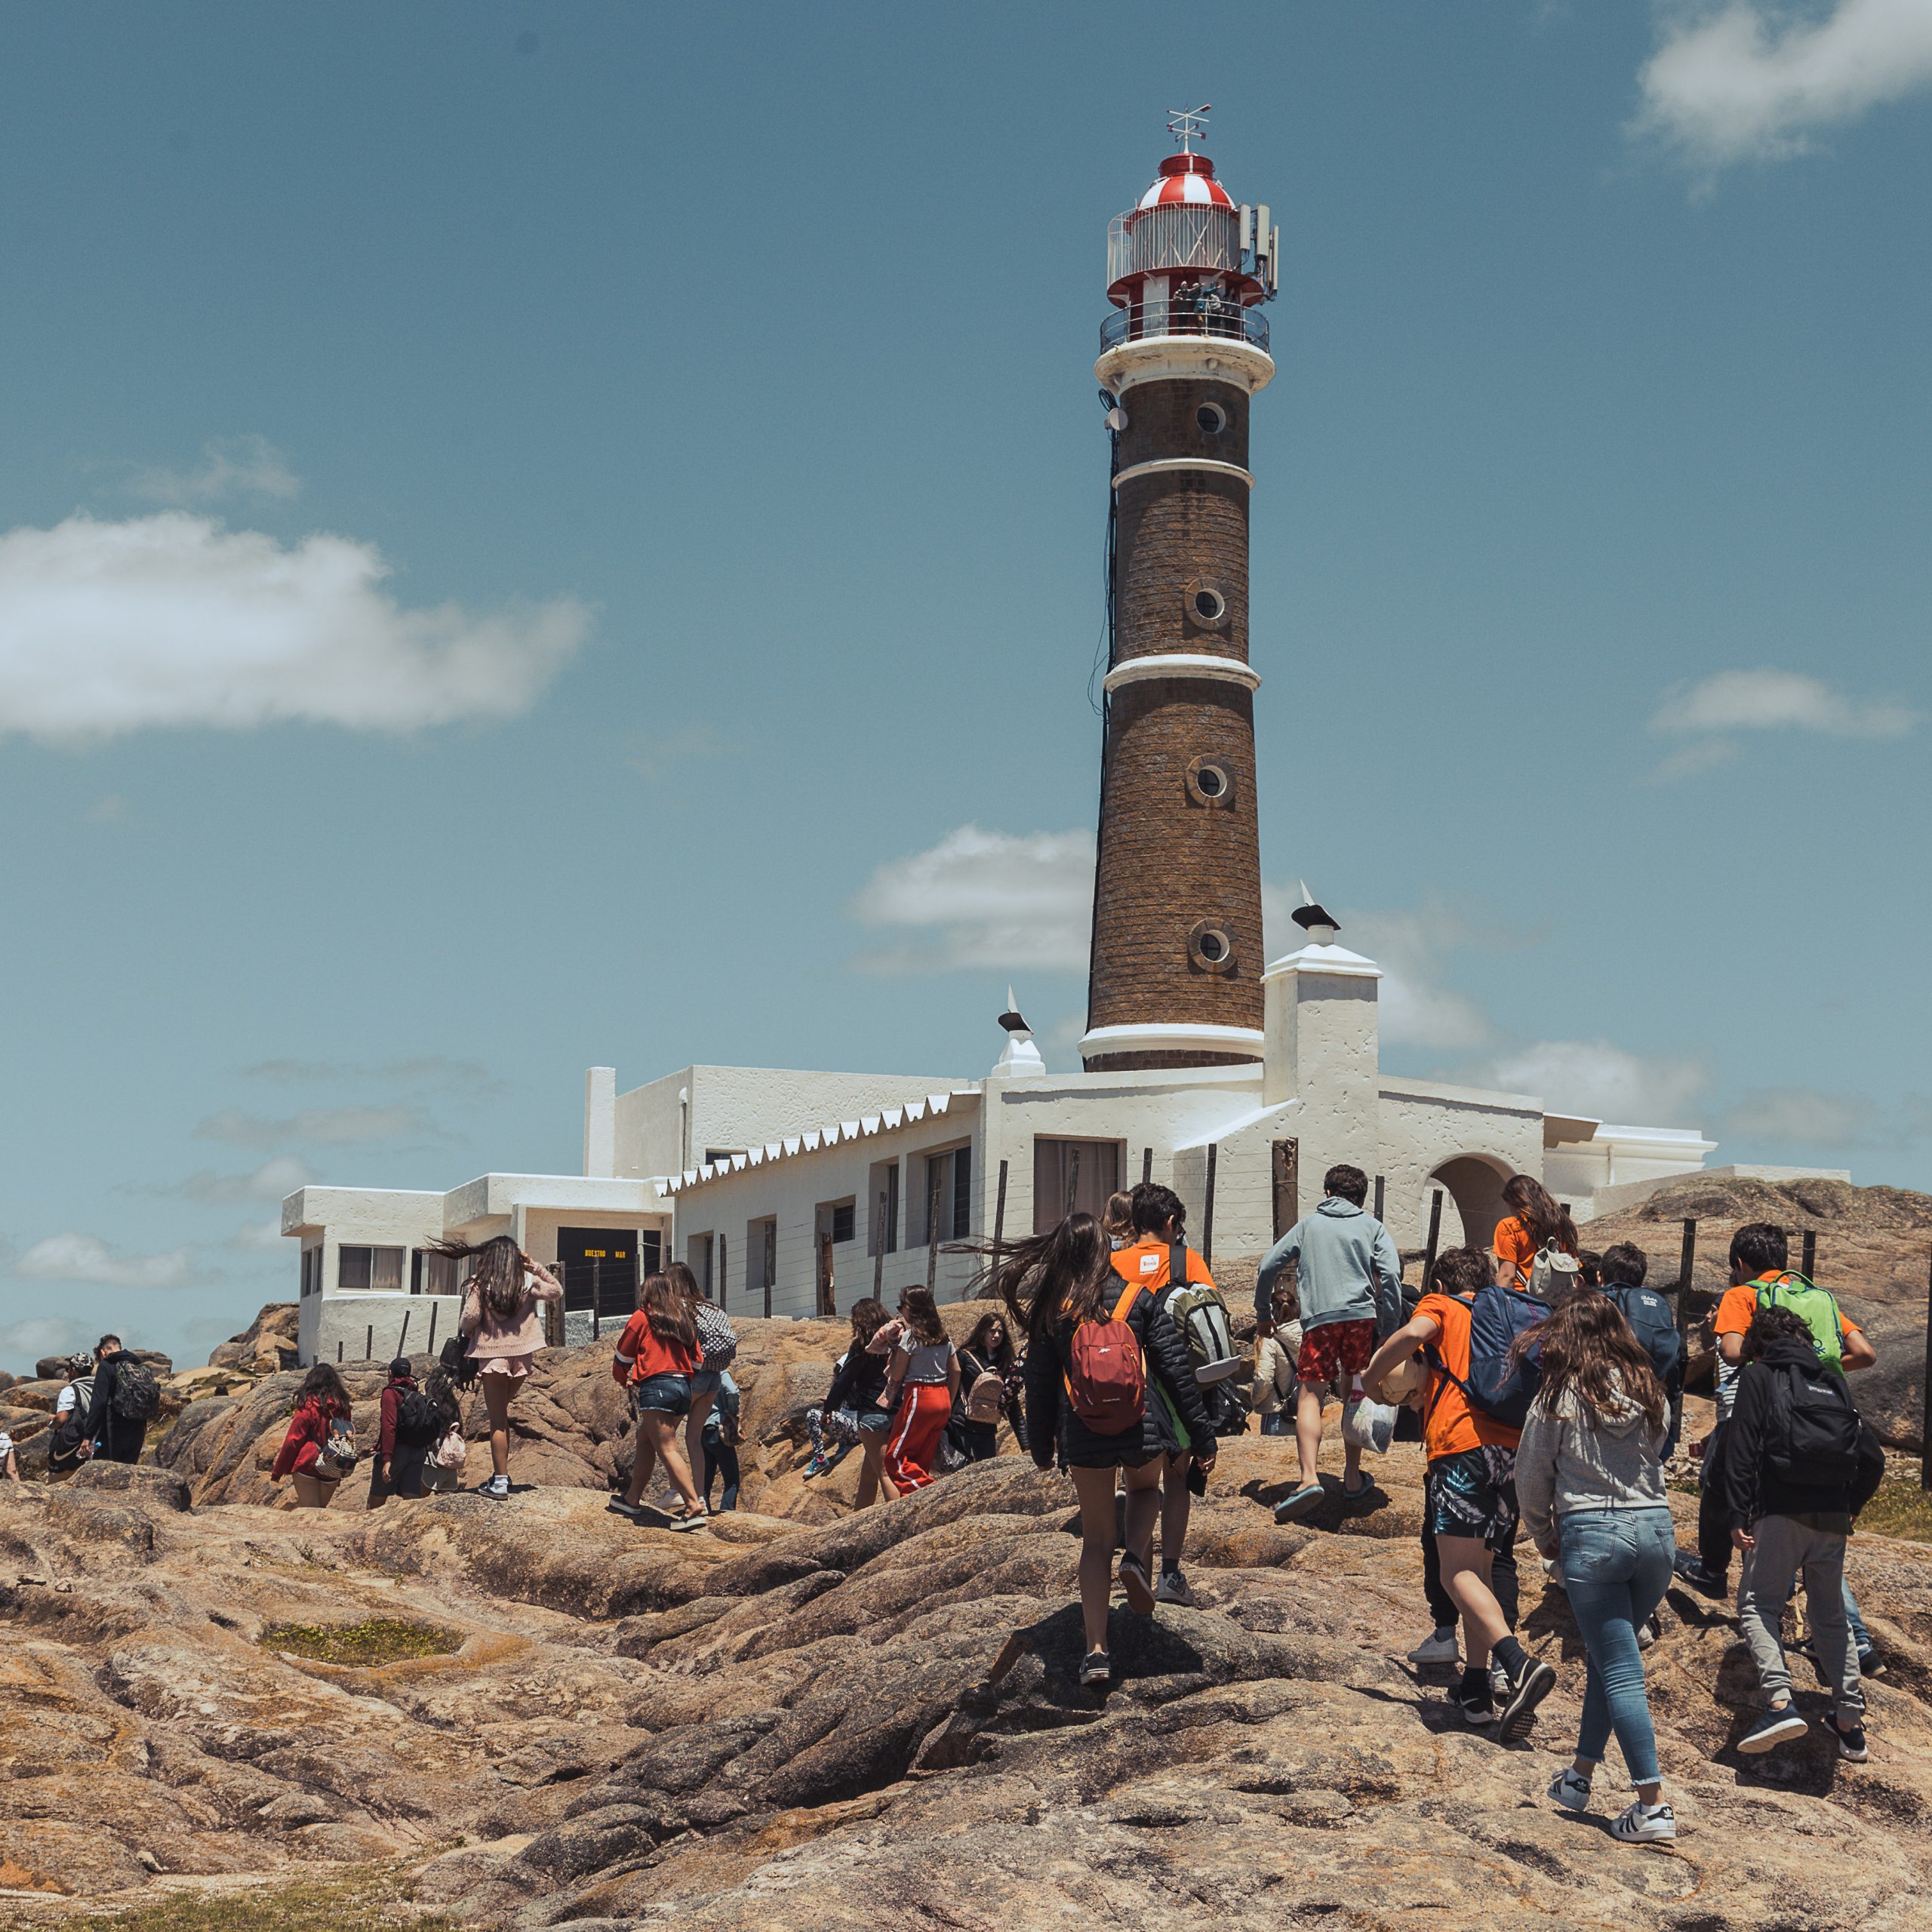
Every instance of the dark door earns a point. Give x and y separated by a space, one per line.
599 1268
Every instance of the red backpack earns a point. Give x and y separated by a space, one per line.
1105 1381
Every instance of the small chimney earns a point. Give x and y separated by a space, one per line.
1321 925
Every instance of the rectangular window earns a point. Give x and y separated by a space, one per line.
945 1206
962 1192
842 1221
433 1274
882 1209
312 1271
697 1259
1071 1176
762 1258
369 1270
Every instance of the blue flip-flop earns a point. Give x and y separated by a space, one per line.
1299 1504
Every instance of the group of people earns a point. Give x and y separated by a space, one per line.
1550 1395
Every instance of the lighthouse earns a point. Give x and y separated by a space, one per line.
1175 974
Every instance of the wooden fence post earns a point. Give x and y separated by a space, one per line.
1208 1211
1146 1165
1687 1260
1381 1182
878 1246
1810 1260
999 1215
434 1307
402 1340
1435 1235
932 1236
1286 1164
369 1343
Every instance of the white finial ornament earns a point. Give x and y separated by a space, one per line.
1021 1060
1187 125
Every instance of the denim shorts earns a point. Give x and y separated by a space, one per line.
707 1382
663 1395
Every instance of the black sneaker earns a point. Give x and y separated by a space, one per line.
1690 1568
1095 1667
1776 1726
1133 1580
1473 1700
1851 1741
1537 1682
1871 1661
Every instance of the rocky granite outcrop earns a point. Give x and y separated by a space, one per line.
781 1721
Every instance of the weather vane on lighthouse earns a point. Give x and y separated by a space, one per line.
1188 124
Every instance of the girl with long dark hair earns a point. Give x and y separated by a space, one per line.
922 1382
853 1411
1534 1220
717 1344
657 1356
502 1319
1052 1284
1589 1477
988 1381
321 1418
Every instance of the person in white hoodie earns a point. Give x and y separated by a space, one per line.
1590 1480
1349 1279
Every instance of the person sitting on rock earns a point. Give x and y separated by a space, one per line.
921 1384
1087 1401
1349 1279
853 1410
1799 1466
1272 1398
322 1408
1589 1476
719 1443
1470 1493
1160 1226
657 1356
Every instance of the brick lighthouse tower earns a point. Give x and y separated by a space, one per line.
1175 977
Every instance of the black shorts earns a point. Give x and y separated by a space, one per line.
1473 1494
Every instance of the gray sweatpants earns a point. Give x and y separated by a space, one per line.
1784 1546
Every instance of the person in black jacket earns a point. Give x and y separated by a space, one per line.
852 1410
1785 1518
115 1439
1052 1283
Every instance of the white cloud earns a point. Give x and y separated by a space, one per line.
230 467
1597 1080
985 900
260 1237
25 1341
1750 80
327 1126
270 1182
174 620
77 1258
1769 700
1813 1118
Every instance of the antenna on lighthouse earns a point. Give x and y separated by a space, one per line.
1187 125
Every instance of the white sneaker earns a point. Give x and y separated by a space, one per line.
496 1488
1570 1791
1439 1647
1174 1588
1647 1824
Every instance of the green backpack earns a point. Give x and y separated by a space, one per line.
1817 1308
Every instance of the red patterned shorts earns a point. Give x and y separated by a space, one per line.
1335 1347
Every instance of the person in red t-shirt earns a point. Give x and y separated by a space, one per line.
657 1356
1470 1493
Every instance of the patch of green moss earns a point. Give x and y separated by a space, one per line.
367 1900
1899 1509
376 1640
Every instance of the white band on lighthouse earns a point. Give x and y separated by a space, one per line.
1183 664
1208 463
1183 1036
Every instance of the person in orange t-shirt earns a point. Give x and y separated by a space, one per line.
1760 1254
1535 1219
1471 1506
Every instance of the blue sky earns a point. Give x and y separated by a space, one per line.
533 536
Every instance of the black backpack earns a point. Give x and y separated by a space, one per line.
1654 1323
419 1420
457 1363
1811 1436
136 1394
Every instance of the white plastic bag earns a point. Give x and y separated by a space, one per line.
1368 1425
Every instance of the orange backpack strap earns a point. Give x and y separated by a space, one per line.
1127 1297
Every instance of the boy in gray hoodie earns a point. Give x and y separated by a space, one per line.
1350 1280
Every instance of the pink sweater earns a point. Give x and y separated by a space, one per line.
491 1340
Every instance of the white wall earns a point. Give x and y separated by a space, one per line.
740 1106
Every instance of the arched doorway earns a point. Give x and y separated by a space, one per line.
1473 1184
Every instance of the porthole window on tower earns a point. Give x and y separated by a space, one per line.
1210 782
1212 418
1209 606
1211 949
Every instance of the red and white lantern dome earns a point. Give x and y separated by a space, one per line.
1187 235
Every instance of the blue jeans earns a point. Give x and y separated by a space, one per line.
1616 1563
